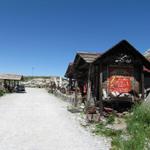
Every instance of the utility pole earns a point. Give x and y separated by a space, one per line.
32 71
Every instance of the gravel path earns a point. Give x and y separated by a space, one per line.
37 120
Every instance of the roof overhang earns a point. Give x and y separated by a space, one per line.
13 77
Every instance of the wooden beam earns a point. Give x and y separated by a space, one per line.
97 82
100 92
142 82
76 92
89 85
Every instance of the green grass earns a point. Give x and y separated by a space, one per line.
137 134
138 131
2 92
100 129
110 119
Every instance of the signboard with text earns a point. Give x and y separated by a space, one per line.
119 80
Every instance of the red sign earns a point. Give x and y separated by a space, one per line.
120 80
119 84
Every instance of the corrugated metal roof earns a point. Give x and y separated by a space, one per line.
10 77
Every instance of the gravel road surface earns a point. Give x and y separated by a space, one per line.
36 120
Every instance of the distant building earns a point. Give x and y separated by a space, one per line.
9 81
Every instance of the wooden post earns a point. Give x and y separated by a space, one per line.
89 85
142 83
97 82
5 84
76 93
70 84
14 83
107 84
100 92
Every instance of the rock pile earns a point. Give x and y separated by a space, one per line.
42 82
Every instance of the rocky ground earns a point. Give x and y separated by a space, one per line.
36 120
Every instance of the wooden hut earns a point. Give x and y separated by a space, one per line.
119 73
83 72
10 81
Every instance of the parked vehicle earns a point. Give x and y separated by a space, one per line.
20 88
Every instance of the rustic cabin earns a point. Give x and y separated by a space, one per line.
83 73
119 74
10 81
117 77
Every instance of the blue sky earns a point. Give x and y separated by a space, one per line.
46 34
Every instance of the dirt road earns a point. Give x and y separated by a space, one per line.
37 120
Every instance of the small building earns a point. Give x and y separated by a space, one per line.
119 75
78 72
83 71
116 75
10 81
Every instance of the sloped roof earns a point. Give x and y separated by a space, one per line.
81 60
11 77
88 57
126 46
147 52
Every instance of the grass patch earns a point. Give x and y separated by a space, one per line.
100 129
138 131
137 134
2 92
110 119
